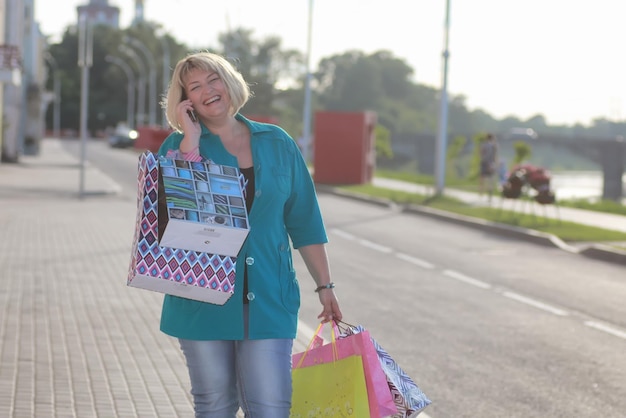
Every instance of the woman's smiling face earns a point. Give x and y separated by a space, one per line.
207 92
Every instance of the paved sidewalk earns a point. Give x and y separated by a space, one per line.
613 252
583 217
75 341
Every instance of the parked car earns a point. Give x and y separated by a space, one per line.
522 134
122 137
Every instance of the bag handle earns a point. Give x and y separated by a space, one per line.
346 327
333 339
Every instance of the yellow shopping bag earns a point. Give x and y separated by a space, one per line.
335 388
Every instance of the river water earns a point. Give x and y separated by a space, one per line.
579 184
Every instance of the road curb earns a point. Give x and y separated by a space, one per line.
604 253
594 251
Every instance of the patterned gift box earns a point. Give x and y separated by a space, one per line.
203 207
190 274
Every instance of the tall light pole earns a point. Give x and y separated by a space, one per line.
56 87
151 64
141 85
306 123
85 61
166 74
130 101
440 162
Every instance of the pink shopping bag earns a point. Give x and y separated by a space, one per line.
381 403
409 399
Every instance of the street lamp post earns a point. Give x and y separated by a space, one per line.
306 128
440 162
85 61
56 87
166 74
130 102
151 64
141 85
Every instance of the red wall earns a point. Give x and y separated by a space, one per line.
150 138
343 147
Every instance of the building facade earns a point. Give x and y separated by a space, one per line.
12 81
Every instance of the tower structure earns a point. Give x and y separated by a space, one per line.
99 12
138 12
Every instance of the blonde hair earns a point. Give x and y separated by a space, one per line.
237 88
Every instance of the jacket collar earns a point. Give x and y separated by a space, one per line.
254 127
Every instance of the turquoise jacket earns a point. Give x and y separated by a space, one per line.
285 207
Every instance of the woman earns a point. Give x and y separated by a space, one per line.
239 354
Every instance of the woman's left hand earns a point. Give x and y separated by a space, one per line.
331 310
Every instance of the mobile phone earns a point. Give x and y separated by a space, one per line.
191 113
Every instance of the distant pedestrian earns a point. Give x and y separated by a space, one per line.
503 173
488 164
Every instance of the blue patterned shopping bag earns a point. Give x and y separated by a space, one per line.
201 206
408 397
188 274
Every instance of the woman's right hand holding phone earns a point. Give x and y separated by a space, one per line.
190 127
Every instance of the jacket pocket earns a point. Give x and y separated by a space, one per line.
282 179
289 286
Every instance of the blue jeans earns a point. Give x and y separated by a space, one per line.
252 374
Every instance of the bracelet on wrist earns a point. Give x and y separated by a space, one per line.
330 285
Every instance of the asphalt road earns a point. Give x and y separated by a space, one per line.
488 326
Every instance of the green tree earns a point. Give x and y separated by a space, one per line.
454 157
523 151
264 65
107 82
416 113
65 54
354 81
382 142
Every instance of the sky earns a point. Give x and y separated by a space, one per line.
562 59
